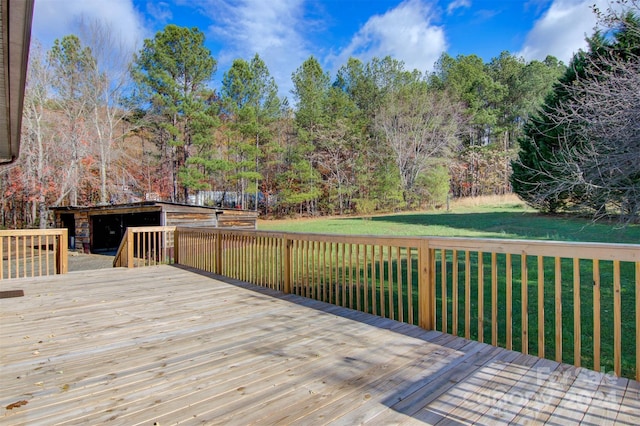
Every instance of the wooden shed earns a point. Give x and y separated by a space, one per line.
100 228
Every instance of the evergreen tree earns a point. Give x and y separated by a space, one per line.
250 101
172 72
311 89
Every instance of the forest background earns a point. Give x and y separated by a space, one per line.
101 126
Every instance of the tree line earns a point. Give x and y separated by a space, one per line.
101 126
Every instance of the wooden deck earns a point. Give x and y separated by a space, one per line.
166 345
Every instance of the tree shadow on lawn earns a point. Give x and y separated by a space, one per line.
522 225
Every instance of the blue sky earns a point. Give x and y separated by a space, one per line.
286 32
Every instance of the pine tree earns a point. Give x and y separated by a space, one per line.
173 71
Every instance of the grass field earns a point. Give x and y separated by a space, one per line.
491 217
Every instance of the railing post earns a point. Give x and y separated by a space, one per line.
426 290
286 246
62 254
130 248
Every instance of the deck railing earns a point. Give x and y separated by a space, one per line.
145 246
33 252
577 303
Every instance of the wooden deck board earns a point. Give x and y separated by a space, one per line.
168 345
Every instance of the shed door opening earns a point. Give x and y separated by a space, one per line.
108 229
69 221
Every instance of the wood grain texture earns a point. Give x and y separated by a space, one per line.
168 345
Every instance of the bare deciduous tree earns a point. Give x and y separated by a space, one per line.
108 85
600 158
419 124
583 150
39 155
70 62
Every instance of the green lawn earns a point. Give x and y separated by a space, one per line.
507 220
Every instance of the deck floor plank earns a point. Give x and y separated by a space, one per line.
169 345
630 406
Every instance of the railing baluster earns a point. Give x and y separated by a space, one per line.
382 298
33 254
577 330
308 265
211 251
374 286
239 265
305 269
315 270
426 286
287 259
454 292
9 240
268 267
350 275
617 320
399 286
145 249
443 290
541 348
558 308
480 298
509 302
243 261
390 276
524 300
410 285
24 257
494 299
343 274
278 271
340 293
232 253
365 286
297 266
46 242
596 315
273 263
300 274
265 268
260 265
467 294
330 281
358 286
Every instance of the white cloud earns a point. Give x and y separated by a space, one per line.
54 19
405 33
562 29
273 29
458 4
159 10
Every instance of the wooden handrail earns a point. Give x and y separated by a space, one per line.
33 252
121 259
